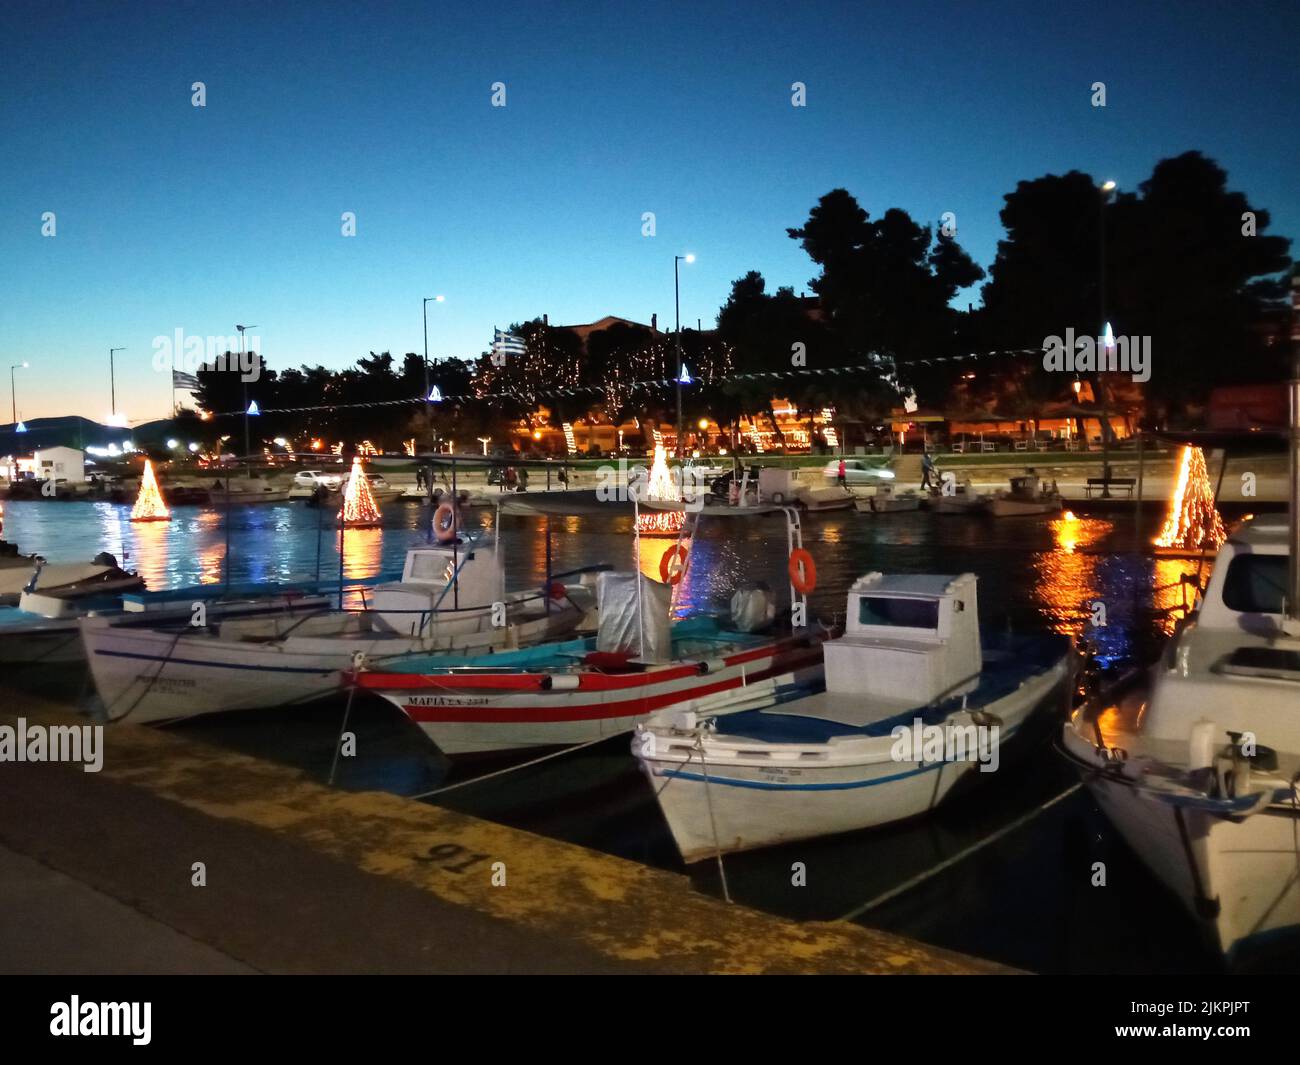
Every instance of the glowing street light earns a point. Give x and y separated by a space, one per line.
677 304
13 394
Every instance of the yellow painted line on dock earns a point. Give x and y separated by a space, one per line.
624 910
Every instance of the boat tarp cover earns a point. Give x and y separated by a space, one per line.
647 636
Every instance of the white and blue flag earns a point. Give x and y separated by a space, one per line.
507 343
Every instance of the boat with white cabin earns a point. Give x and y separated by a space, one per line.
913 703
450 601
1028 494
1198 769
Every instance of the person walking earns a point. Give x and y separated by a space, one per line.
842 477
927 470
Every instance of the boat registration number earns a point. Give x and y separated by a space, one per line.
448 700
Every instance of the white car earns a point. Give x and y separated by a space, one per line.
858 471
331 482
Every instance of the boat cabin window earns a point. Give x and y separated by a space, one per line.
1255 584
903 613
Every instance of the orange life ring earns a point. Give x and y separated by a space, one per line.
666 573
803 571
445 523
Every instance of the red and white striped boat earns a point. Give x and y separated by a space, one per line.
569 693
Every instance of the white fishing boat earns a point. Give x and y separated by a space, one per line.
955 497
912 704
43 628
26 573
1028 494
245 490
885 500
637 665
1198 770
450 600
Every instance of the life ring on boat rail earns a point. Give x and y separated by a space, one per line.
446 523
803 571
677 553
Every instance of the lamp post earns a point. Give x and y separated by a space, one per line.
112 382
1106 189
428 416
677 304
248 458
13 394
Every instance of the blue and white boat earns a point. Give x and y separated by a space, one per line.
913 703
43 628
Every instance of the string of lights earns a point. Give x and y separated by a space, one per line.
532 395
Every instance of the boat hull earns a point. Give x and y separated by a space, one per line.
159 674
725 793
474 719
1236 878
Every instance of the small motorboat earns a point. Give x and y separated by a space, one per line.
1198 768
21 574
636 666
450 600
244 490
951 496
1028 494
885 500
913 703
44 626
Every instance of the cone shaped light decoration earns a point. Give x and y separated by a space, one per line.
662 489
1193 522
359 507
149 505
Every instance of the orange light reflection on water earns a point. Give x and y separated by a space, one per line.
1066 576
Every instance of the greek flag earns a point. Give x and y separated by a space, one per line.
185 380
507 343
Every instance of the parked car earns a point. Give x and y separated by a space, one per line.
331 482
857 471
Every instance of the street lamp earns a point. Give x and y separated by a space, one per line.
13 395
1107 187
112 383
677 304
428 418
248 468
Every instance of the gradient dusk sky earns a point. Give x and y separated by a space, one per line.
175 217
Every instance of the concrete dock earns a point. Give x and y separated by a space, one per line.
98 871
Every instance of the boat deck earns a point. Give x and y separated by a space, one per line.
822 717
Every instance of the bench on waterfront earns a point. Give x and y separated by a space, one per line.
1103 484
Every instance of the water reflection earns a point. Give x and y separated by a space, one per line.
1033 572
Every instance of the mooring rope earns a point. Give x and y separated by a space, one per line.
948 863
521 765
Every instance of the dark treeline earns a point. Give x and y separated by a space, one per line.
1183 260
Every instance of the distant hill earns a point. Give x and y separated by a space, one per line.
70 431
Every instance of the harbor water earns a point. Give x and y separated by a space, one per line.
1008 871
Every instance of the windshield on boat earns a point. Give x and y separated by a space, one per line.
1255 584
905 613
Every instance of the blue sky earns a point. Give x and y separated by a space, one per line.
175 217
